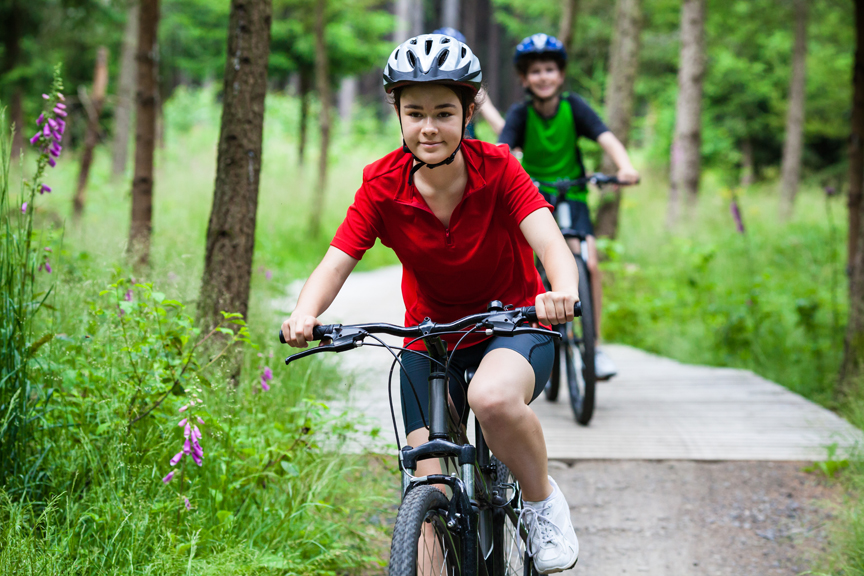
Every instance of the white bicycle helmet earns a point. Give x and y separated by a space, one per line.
432 58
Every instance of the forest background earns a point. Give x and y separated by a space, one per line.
748 265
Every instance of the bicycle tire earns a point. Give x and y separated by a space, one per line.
422 505
506 557
582 390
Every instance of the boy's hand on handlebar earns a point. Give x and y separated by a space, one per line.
297 330
628 175
555 307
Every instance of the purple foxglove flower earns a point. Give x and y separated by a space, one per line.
61 123
264 385
176 458
56 147
52 123
187 432
59 112
196 448
35 138
128 296
40 119
56 135
187 447
168 478
196 433
45 189
54 153
60 104
183 408
200 420
46 131
188 505
61 97
48 267
24 208
51 162
198 460
45 96
736 215
182 422
268 374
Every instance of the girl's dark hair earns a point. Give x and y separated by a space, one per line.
526 61
466 96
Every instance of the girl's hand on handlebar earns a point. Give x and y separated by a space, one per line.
555 307
628 175
297 330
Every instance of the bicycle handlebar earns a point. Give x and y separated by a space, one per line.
497 321
597 179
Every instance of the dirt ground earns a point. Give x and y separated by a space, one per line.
682 518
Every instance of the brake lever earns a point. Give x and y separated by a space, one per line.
342 338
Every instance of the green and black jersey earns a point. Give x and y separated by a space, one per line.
550 146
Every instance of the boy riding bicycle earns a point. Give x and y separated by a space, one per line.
545 131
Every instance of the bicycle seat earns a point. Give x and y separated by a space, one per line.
570 233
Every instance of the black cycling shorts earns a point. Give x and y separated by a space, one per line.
580 216
538 349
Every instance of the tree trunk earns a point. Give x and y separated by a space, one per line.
305 89
10 32
450 14
125 94
469 22
747 166
492 71
16 111
417 23
569 9
347 95
794 144
231 231
145 134
322 82
849 384
403 21
686 149
97 99
623 62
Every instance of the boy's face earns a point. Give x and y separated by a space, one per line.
543 78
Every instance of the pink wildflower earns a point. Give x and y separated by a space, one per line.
188 505
183 408
52 162
168 478
62 98
264 385
128 296
35 138
40 119
48 267
200 420
182 422
45 189
268 274
24 208
176 458
45 96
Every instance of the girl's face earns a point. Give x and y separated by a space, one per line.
543 78
432 121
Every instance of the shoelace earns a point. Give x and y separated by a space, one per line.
536 521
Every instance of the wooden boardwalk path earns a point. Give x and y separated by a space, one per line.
655 409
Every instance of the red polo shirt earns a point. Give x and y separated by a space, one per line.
450 272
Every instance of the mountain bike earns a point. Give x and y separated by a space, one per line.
574 355
476 530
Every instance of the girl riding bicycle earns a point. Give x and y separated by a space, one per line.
465 220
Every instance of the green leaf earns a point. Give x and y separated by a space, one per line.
289 468
178 390
39 343
158 297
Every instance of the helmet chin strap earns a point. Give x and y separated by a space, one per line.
420 163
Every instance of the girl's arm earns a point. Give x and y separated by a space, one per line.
542 233
316 296
615 149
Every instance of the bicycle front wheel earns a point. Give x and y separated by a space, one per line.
509 555
578 348
422 543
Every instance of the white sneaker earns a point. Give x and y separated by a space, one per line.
552 542
604 368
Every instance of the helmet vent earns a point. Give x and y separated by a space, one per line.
464 51
445 40
428 47
412 60
443 57
396 54
413 41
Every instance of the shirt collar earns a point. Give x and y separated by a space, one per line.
407 193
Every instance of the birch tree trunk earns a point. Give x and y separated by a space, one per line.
469 22
686 147
305 89
623 63
403 21
794 144
569 9
231 231
125 93
450 14
145 134
852 368
322 82
97 99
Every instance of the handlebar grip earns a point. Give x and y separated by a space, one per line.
318 332
531 312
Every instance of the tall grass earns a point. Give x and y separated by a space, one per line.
274 495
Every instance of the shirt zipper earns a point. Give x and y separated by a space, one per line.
447 240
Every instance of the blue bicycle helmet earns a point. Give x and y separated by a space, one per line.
540 45
452 32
